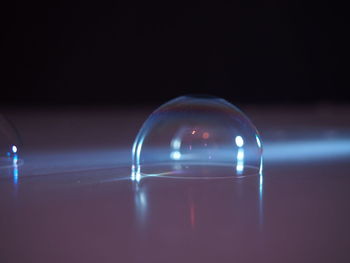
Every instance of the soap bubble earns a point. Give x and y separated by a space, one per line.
9 144
197 136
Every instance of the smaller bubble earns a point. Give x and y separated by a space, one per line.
9 144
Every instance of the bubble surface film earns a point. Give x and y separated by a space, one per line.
197 137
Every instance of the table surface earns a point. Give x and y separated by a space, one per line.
72 199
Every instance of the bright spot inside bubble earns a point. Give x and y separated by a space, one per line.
239 141
14 148
205 135
176 155
196 137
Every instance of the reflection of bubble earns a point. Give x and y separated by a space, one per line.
9 144
194 136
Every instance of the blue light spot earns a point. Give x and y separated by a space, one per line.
176 144
15 174
15 160
175 155
240 155
240 161
15 169
138 177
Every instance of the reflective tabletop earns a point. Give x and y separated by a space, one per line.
71 199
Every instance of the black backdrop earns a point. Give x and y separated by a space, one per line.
138 53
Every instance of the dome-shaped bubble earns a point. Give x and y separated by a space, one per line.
197 136
9 144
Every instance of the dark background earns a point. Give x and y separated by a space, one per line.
132 53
